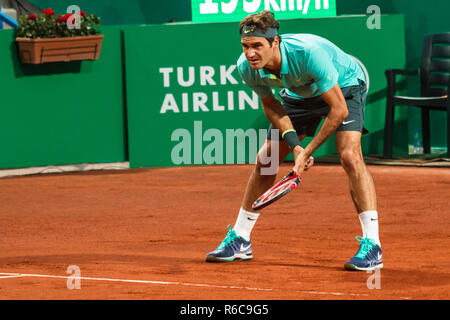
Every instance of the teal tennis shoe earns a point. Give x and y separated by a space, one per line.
367 258
232 247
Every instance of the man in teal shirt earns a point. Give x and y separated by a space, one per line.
310 65
319 80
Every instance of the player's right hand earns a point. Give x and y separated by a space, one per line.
302 161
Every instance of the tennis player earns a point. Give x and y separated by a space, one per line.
319 80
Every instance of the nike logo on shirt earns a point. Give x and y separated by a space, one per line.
347 122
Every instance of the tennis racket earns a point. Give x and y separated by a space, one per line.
279 190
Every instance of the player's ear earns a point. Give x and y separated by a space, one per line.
276 41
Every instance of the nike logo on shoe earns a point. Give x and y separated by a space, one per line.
242 249
379 256
347 122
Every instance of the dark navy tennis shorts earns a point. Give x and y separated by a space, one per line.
306 114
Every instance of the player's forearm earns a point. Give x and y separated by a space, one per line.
334 118
277 116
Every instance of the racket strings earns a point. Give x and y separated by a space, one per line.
278 190
281 189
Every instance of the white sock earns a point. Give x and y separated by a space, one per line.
369 224
244 223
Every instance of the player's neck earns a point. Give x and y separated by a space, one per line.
275 64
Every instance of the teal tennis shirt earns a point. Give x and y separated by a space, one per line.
310 66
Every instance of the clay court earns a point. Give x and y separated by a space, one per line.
144 234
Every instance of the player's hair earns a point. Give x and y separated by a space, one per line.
263 21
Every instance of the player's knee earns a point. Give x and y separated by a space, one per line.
350 159
265 161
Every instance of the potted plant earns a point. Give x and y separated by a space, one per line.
45 37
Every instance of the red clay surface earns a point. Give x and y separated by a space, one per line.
156 225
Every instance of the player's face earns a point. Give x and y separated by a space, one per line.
258 51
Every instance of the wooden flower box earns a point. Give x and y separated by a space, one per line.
43 50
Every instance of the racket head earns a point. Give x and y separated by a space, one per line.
279 190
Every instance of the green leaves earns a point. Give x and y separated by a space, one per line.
49 26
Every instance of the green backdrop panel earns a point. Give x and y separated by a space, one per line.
420 20
185 98
378 49
62 113
119 12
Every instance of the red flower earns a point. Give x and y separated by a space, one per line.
63 18
49 12
66 17
32 17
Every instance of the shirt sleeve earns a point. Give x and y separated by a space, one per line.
321 67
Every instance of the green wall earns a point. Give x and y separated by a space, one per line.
421 18
62 113
187 45
110 110
119 12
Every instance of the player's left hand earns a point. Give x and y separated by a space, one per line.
309 163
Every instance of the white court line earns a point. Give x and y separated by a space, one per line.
11 276
132 281
334 293
17 275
